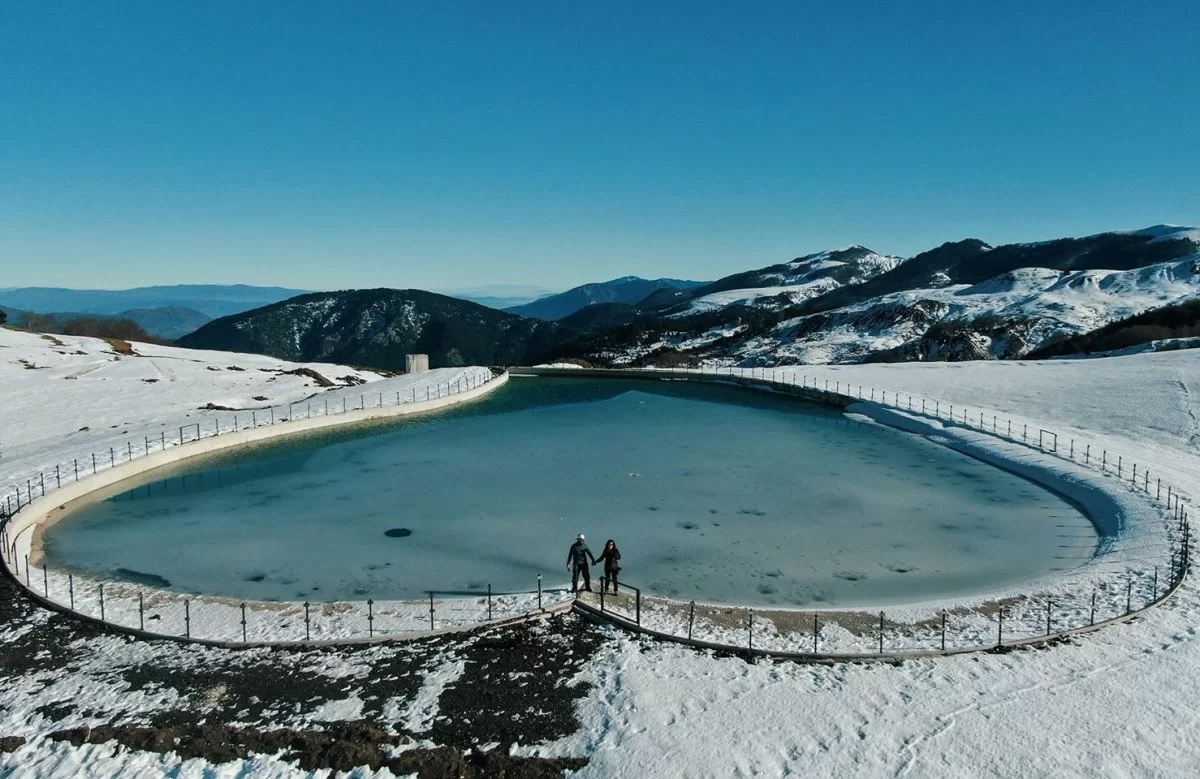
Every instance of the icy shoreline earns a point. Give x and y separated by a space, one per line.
1134 546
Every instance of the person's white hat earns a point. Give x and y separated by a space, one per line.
579 537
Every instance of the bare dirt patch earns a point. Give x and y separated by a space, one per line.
120 346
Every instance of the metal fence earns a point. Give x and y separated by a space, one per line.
219 620
224 621
1110 595
1007 622
220 423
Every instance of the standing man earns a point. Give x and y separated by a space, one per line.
577 562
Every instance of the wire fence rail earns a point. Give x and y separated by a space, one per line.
1009 622
160 613
223 422
1117 590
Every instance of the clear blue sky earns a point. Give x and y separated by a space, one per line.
448 145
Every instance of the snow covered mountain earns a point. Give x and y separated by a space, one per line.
801 279
961 301
377 327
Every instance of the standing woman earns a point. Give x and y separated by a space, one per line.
611 557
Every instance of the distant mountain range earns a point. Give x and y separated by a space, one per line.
625 290
963 300
499 296
212 300
167 323
378 327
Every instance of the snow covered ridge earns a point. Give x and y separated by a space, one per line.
65 473
1005 317
796 281
964 300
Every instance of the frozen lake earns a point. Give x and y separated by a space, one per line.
711 492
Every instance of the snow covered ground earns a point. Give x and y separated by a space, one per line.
1117 702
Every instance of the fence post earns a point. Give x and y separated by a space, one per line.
539 591
71 589
1129 594
1155 590
27 584
431 610
750 630
45 579
1000 629
603 589
243 623
638 604
371 614
1092 617
816 632
881 632
307 631
691 618
101 601
1049 605
943 630
187 618
489 603
141 612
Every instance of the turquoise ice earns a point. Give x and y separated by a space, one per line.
713 493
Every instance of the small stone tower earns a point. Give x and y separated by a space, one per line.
416 363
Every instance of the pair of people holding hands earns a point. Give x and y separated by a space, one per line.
579 556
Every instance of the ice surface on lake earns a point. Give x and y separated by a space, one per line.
712 493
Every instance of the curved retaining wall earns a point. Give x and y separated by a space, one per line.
19 530
40 509
1098 502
